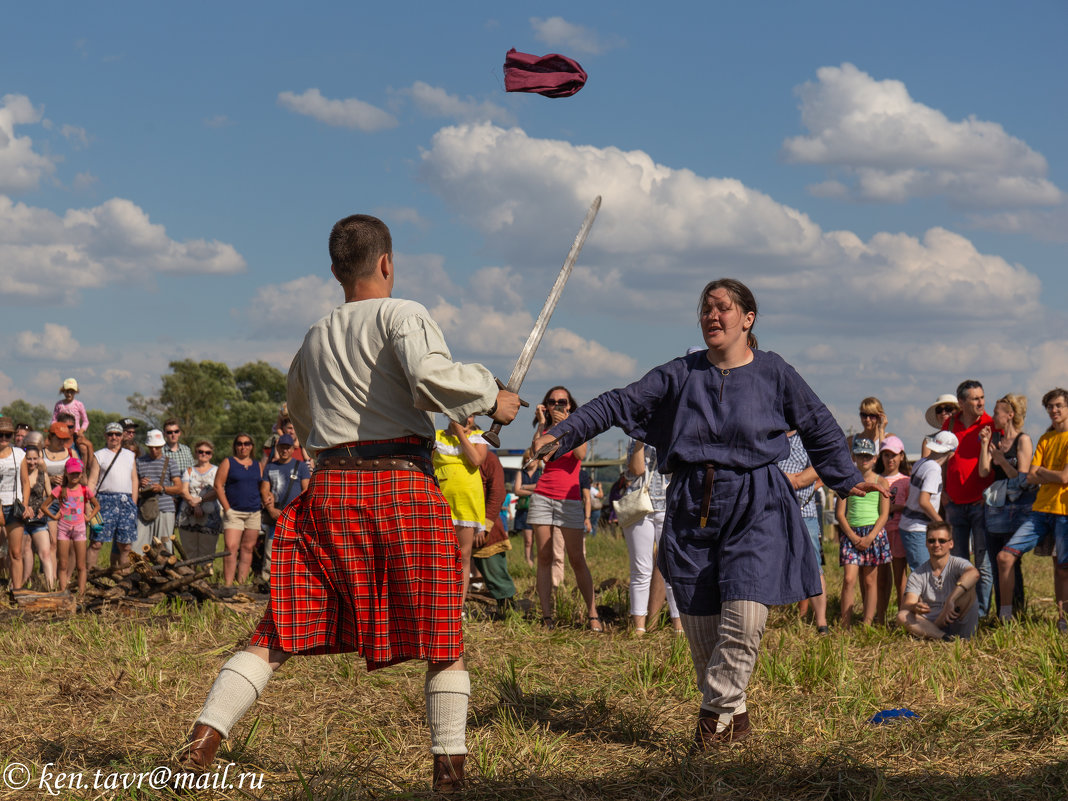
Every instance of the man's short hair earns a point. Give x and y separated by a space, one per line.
65 417
939 525
1053 394
356 243
964 386
171 421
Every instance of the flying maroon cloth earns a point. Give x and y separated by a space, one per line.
552 75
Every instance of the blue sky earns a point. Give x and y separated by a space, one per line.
889 179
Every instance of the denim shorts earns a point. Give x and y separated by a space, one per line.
915 543
1037 526
814 534
551 512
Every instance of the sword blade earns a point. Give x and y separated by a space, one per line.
526 356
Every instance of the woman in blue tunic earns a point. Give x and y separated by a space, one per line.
734 542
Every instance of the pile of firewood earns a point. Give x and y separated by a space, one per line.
152 577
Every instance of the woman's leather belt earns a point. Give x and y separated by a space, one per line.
379 456
706 496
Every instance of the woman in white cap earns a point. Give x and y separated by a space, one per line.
936 416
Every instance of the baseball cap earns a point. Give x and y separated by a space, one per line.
70 383
74 465
942 442
862 446
61 430
285 439
113 428
893 444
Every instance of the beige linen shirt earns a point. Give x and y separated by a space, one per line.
378 369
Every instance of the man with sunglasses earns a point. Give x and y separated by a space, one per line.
366 560
965 509
113 479
940 601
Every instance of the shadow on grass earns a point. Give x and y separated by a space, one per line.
721 775
569 713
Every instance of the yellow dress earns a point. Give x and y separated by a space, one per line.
461 484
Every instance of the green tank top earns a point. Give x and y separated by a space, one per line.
862 510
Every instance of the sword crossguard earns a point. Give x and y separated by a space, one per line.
493 435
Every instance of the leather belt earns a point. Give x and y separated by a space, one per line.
384 456
706 497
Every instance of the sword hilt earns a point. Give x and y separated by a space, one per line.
493 435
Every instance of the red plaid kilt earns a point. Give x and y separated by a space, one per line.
366 561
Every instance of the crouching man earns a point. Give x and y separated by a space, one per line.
940 601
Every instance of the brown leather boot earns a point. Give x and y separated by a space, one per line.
707 737
199 751
449 772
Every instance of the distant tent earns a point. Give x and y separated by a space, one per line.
552 75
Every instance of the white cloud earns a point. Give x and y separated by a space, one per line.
21 168
83 181
891 147
484 320
56 343
660 229
900 316
347 113
76 135
393 215
477 331
7 389
292 306
218 121
48 257
557 32
436 102
1050 225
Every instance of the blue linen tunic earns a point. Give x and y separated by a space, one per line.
755 545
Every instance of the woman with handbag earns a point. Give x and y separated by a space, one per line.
199 521
11 511
641 511
557 501
1006 452
734 541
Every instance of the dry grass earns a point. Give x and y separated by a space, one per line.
565 714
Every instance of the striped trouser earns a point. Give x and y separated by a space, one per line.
724 650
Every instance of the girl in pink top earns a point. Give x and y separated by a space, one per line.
76 505
893 466
71 406
557 501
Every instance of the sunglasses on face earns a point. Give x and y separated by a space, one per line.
945 409
866 416
113 434
6 434
562 403
204 453
174 431
244 444
936 541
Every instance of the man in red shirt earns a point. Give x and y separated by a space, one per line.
964 486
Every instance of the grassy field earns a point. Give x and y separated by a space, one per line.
566 714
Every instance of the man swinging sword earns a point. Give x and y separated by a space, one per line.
366 559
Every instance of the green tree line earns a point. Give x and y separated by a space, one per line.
208 399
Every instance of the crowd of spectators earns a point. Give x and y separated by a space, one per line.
947 542
63 501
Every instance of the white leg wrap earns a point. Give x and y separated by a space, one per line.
239 683
447 693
